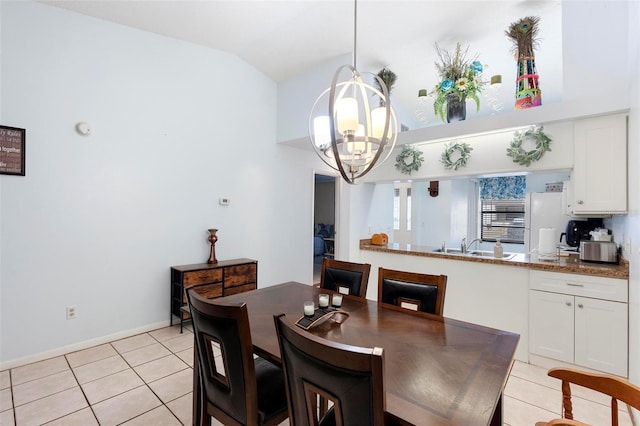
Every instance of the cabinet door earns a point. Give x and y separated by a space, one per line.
551 325
600 165
601 335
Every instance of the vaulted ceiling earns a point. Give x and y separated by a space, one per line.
285 38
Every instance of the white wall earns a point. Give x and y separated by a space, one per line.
97 221
431 216
380 211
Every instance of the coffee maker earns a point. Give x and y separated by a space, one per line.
578 230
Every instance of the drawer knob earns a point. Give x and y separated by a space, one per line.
568 303
580 202
580 305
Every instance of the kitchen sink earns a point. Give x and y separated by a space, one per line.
474 253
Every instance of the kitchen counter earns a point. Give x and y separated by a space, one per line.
570 263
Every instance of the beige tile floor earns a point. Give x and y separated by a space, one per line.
146 380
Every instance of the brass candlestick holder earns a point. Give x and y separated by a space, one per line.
212 239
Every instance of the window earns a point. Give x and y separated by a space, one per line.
503 220
408 209
396 209
502 209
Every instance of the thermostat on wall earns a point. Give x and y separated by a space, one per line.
224 201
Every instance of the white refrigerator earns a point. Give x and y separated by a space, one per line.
543 210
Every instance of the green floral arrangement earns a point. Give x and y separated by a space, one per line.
389 78
409 153
462 150
524 157
459 76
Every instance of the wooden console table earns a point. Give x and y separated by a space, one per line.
210 280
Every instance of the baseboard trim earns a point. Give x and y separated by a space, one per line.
18 362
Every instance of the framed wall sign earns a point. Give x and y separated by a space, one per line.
12 141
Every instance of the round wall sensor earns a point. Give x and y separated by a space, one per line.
83 128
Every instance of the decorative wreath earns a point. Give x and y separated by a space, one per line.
464 150
525 158
409 153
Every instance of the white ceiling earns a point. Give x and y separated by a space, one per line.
285 38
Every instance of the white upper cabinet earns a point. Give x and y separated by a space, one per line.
599 178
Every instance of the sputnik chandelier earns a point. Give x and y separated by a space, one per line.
356 136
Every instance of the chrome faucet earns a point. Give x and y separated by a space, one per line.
464 247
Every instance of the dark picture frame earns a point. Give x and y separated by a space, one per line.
12 150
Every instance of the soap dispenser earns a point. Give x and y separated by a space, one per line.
497 250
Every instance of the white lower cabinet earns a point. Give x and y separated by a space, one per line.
551 325
581 320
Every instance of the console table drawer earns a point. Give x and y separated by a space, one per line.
202 277
239 275
239 289
210 280
209 291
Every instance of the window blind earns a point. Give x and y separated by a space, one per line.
503 220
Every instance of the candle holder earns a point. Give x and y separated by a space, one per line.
336 300
212 239
309 309
323 300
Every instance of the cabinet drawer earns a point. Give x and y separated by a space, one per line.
203 276
228 291
239 275
614 289
207 290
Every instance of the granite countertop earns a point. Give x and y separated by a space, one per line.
569 263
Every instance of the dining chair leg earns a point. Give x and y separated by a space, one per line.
200 416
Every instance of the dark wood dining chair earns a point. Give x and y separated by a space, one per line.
411 290
618 389
349 377
234 387
345 277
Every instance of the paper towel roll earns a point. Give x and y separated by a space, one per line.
547 242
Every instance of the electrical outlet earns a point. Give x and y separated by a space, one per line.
626 246
71 312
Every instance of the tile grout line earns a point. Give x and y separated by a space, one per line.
144 382
81 390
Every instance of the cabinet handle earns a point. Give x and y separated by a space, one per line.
580 202
580 305
567 303
575 285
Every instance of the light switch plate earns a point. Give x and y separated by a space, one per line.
224 201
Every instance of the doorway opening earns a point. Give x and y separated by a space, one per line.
324 221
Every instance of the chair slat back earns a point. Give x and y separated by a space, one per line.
350 377
415 291
230 383
345 277
618 389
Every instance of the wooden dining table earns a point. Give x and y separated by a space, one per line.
438 371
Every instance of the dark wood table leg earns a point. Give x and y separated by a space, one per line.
496 420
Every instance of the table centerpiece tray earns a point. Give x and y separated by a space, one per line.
320 316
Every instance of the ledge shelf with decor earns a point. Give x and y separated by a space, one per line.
211 280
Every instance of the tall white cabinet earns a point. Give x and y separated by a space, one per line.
581 320
599 178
